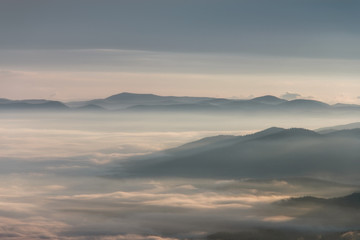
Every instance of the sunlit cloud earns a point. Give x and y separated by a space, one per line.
30 228
196 201
278 219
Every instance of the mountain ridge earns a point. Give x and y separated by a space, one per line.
32 104
349 201
134 102
274 152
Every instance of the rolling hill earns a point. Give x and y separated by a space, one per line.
133 102
274 152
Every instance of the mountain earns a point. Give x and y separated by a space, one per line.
205 144
217 101
135 101
349 201
90 107
4 100
268 99
32 105
338 127
296 133
354 133
154 103
136 97
304 104
311 219
342 212
125 96
264 133
274 152
346 107
263 104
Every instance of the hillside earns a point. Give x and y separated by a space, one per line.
274 152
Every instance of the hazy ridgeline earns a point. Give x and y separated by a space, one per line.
119 174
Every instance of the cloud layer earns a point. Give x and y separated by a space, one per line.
56 182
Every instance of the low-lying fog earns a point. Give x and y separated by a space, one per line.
56 179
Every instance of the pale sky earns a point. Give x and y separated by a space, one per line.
73 50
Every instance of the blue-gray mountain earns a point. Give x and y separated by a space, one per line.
339 127
154 103
37 104
272 153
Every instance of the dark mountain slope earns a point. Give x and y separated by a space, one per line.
33 105
304 104
91 107
349 201
268 99
274 152
338 127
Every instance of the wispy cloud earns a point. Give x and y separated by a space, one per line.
290 96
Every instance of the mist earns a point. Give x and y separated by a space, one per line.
66 175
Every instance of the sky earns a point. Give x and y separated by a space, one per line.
75 50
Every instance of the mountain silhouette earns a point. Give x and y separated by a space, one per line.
273 153
269 99
125 96
91 107
32 105
338 127
304 104
151 98
150 102
349 201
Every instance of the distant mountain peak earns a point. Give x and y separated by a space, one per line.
33 105
302 131
305 103
266 132
296 133
269 99
338 127
128 95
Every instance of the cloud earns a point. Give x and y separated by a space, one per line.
278 219
149 209
290 96
30 228
54 185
